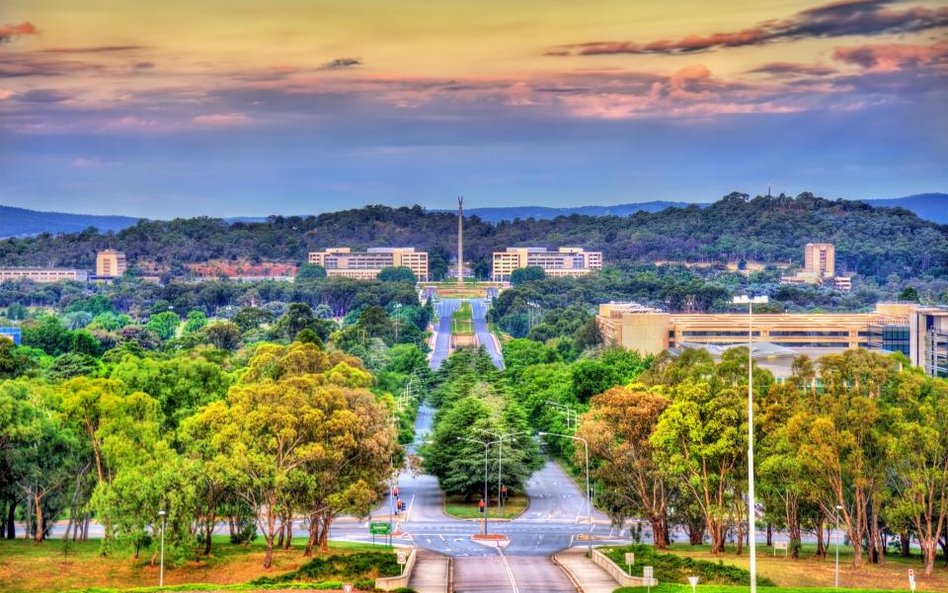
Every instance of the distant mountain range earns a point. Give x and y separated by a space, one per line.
19 222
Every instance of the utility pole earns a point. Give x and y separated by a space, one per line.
460 240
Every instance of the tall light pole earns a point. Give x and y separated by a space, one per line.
486 447
569 410
588 491
838 509
500 458
161 573
751 503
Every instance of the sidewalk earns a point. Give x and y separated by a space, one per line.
586 575
430 574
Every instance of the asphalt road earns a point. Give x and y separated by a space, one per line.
442 345
484 337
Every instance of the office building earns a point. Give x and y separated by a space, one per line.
343 262
776 335
819 267
566 261
43 274
819 259
110 263
929 340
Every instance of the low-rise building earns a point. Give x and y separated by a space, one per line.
565 261
11 333
110 263
343 262
43 274
651 331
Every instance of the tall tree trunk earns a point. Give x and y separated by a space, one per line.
770 535
658 532
324 535
313 534
288 527
905 545
209 532
10 526
38 531
820 544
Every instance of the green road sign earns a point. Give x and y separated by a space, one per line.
380 528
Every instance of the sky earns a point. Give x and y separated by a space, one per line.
164 108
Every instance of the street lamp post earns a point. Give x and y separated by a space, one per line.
588 491
486 447
569 411
838 509
161 570
500 459
751 504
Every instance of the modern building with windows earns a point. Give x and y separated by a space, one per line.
343 262
43 274
110 263
819 267
565 261
651 331
929 340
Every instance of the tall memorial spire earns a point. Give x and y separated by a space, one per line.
460 240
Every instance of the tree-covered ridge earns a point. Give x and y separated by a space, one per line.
869 241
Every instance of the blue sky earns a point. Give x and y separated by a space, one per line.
160 109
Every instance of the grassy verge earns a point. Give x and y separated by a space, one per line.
813 573
673 568
462 320
679 588
52 567
456 507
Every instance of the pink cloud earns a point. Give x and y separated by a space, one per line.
221 120
891 57
8 31
6 94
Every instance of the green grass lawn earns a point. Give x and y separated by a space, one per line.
678 588
462 320
456 507
811 573
50 566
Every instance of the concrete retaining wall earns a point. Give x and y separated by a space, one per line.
619 573
390 583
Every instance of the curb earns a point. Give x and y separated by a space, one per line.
568 573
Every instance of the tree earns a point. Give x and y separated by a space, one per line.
223 335
918 451
299 421
163 324
699 437
528 274
618 427
909 294
399 274
591 377
196 321
309 271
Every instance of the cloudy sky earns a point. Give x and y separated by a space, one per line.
165 108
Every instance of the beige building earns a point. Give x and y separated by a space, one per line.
819 259
929 340
819 267
651 331
343 262
110 263
43 274
566 261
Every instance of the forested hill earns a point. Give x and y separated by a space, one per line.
869 241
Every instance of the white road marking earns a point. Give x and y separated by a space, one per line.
510 575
